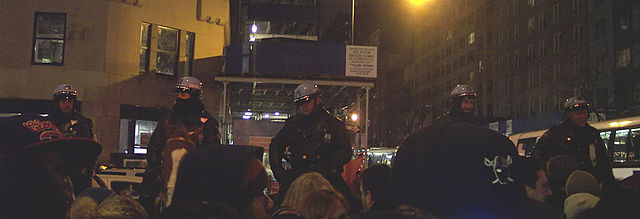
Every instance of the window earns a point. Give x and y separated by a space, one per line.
556 14
145 41
480 66
531 25
167 54
556 70
576 5
189 53
472 38
531 3
516 31
516 7
556 42
624 58
541 22
516 58
48 38
577 32
541 49
531 53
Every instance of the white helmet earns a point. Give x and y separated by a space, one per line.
304 92
462 90
189 83
65 90
576 103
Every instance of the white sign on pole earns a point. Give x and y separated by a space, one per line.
361 61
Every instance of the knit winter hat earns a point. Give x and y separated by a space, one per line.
581 181
578 203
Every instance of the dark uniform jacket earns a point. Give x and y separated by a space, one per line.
317 142
583 144
73 124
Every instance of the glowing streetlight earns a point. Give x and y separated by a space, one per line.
354 117
417 2
254 28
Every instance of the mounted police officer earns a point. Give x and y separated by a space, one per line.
575 138
188 125
66 115
462 104
313 140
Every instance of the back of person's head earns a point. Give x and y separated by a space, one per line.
229 175
324 203
582 182
558 169
103 203
303 186
531 168
199 210
376 180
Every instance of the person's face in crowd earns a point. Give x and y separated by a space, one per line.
306 108
467 105
578 117
542 192
366 199
261 205
66 105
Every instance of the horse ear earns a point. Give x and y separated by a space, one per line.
488 162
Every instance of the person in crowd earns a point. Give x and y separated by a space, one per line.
187 126
104 203
311 141
36 160
583 193
536 184
456 169
324 204
538 190
299 190
616 202
462 102
67 117
559 168
575 138
66 113
224 176
376 189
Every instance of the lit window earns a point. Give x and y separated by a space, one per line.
472 37
624 58
48 39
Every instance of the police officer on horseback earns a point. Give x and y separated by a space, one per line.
311 141
187 126
66 115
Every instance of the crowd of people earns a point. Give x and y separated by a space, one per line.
452 168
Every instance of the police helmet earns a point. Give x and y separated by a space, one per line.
189 85
462 90
65 91
576 103
304 93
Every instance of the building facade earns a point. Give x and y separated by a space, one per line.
124 58
524 57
